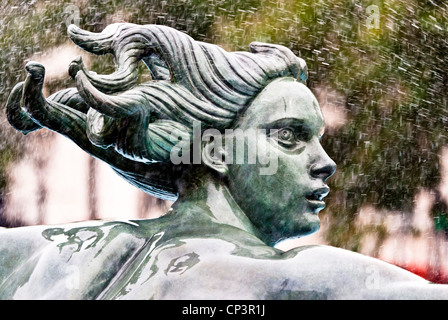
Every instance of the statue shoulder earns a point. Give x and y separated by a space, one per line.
344 274
218 269
41 235
29 256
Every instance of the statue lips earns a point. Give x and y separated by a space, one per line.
315 198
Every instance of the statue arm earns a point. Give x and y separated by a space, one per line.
316 272
349 275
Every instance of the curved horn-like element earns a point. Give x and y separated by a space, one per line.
21 120
16 115
154 178
191 63
127 55
114 106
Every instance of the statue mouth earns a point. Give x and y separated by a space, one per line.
315 198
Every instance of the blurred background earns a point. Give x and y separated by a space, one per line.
378 68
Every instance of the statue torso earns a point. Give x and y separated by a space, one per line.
171 258
117 260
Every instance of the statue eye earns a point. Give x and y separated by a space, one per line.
286 138
290 135
286 134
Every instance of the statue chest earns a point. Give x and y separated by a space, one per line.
81 265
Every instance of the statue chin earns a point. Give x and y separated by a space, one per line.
253 174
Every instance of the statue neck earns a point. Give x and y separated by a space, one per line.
216 205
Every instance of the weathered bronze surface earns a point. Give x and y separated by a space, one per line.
180 137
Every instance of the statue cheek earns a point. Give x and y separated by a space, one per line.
294 167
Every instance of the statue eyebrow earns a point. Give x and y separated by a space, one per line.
299 126
286 122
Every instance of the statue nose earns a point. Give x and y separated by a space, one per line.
323 169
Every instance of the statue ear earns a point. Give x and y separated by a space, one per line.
213 152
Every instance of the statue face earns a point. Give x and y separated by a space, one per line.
284 202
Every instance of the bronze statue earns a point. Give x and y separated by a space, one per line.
233 137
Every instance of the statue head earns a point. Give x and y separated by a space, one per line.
270 159
284 202
245 120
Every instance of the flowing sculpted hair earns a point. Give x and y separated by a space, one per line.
128 124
